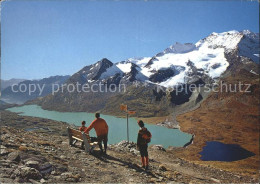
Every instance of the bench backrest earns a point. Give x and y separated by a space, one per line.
76 133
72 133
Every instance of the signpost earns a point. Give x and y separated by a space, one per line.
123 107
127 129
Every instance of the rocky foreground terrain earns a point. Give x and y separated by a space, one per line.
42 155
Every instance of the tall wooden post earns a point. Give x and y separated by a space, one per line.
127 127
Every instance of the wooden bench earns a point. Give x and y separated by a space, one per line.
82 137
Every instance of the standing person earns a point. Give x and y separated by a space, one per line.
101 128
144 137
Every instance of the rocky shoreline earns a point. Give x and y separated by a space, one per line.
43 155
169 124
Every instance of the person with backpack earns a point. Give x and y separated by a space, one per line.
143 138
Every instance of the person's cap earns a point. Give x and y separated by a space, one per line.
83 122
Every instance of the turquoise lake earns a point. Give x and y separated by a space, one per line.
117 126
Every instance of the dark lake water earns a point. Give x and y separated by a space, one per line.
217 151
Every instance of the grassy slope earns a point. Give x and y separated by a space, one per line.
229 118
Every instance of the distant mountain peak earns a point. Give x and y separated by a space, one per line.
105 61
171 67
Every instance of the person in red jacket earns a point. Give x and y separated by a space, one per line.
83 126
101 128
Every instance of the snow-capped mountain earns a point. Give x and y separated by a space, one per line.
176 64
201 63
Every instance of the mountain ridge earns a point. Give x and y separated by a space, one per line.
17 95
181 65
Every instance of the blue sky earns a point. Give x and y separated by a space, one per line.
44 38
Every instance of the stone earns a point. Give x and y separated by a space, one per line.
157 147
153 180
63 157
162 168
58 178
14 156
32 164
66 174
69 176
30 173
134 151
43 181
215 180
60 169
46 168
3 150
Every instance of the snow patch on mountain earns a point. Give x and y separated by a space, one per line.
203 57
125 67
173 81
141 62
180 48
228 40
111 71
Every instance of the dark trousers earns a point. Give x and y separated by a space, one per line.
143 150
100 139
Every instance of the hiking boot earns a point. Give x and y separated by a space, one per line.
146 167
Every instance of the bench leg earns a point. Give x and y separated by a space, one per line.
86 144
91 149
70 136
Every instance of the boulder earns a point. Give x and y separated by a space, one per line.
30 173
157 147
14 156
32 164
46 168
134 151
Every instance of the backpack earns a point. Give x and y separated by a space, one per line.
147 136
